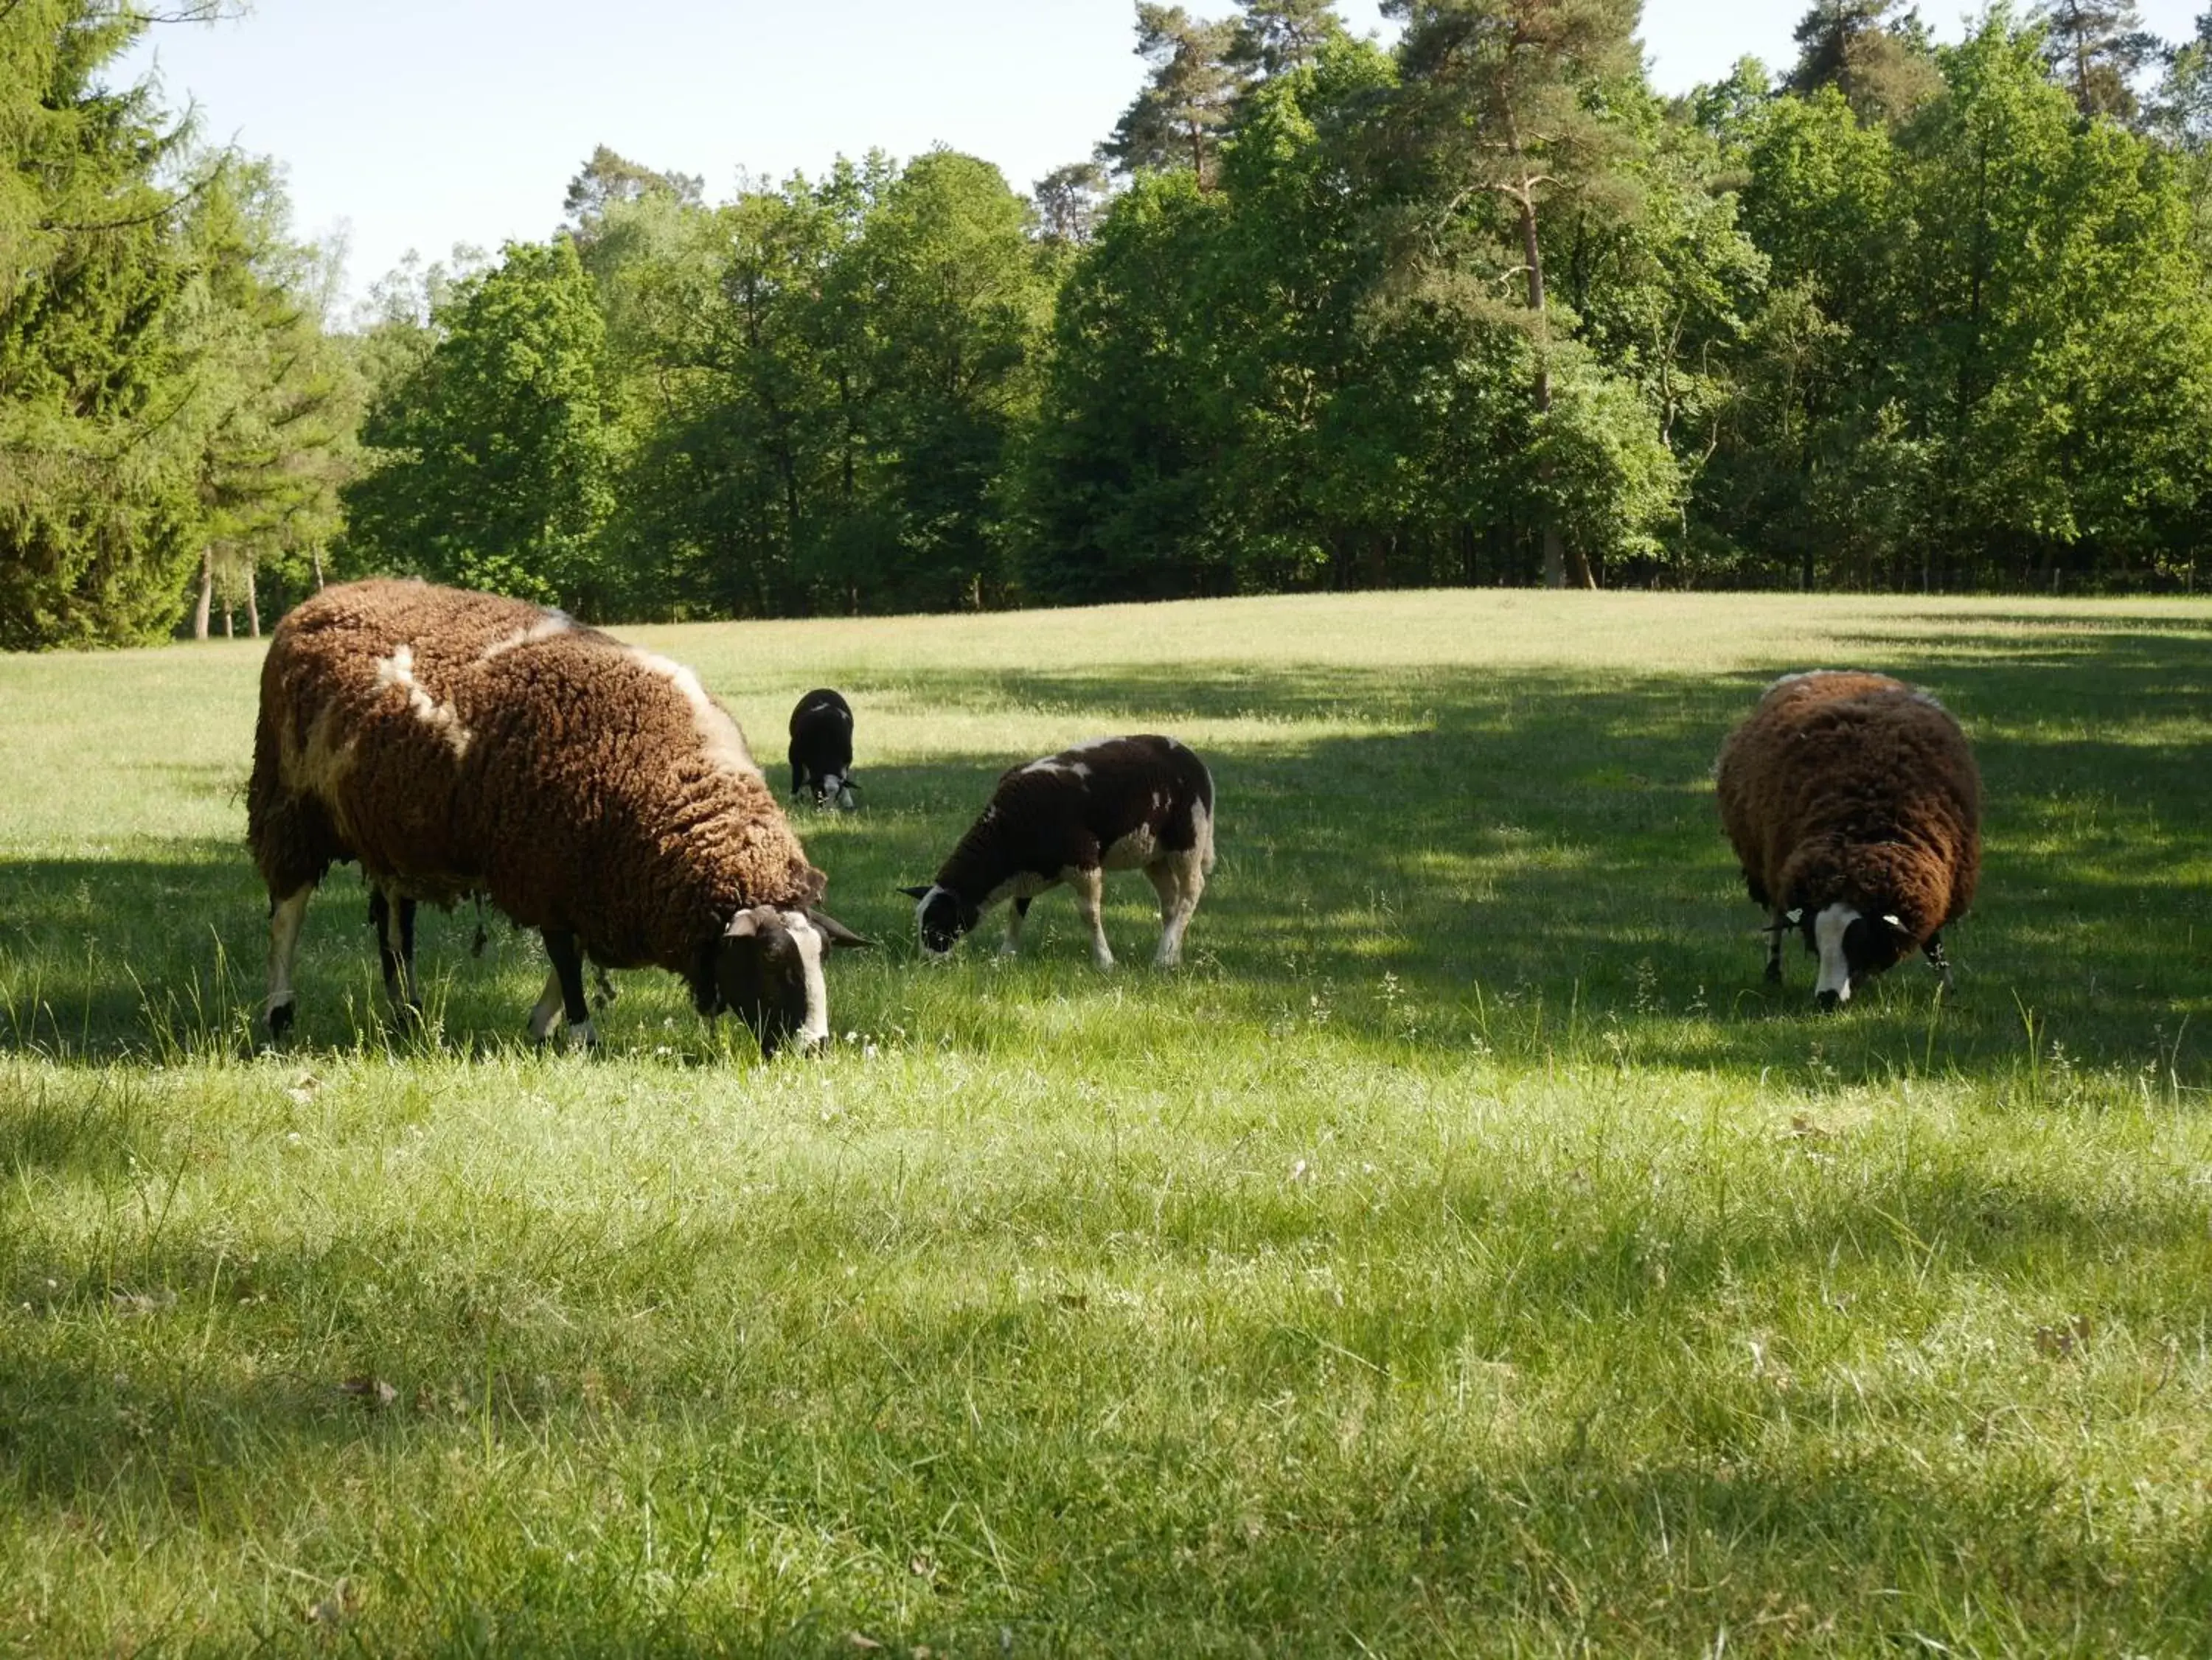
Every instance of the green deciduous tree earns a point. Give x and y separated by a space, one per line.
492 462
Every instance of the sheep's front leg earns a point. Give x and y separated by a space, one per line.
1777 929
1090 888
568 979
286 915
1016 914
547 1014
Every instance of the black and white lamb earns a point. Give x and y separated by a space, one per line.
1126 804
822 748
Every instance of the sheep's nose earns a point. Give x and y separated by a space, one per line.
1828 1001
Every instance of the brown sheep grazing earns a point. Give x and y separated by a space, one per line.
458 744
1855 808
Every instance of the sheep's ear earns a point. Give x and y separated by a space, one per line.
1897 922
743 926
916 893
834 931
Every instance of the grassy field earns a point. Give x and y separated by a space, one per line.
1464 1254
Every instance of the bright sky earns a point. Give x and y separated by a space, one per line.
420 123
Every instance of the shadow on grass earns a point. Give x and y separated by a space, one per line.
1271 1503
1531 858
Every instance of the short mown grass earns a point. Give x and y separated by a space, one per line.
1464 1254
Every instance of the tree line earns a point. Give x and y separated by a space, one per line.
1479 306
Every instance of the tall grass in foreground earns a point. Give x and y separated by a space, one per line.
1465 1254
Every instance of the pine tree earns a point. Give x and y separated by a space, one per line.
1877 55
1496 107
2096 48
1274 37
1177 119
100 412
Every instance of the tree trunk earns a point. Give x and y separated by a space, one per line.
316 556
229 622
252 604
206 601
1558 555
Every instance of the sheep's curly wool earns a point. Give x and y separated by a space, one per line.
1858 789
458 743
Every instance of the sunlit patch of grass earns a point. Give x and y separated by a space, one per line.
1466 1253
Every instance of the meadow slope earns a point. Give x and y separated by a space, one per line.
1464 1254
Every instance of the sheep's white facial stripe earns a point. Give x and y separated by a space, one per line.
398 670
922 910
815 1027
1828 929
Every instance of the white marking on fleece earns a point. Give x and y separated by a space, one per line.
1829 935
552 625
815 1027
397 671
719 735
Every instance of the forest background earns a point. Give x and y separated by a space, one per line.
1475 307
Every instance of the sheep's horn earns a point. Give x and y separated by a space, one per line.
834 931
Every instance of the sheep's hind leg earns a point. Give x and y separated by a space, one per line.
1940 962
1179 880
285 916
1090 888
395 952
1777 929
569 977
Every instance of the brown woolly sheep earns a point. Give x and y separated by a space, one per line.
1855 808
458 744
1115 804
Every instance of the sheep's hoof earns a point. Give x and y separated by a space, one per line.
1774 974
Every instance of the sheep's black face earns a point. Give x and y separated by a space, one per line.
1852 946
943 917
767 972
